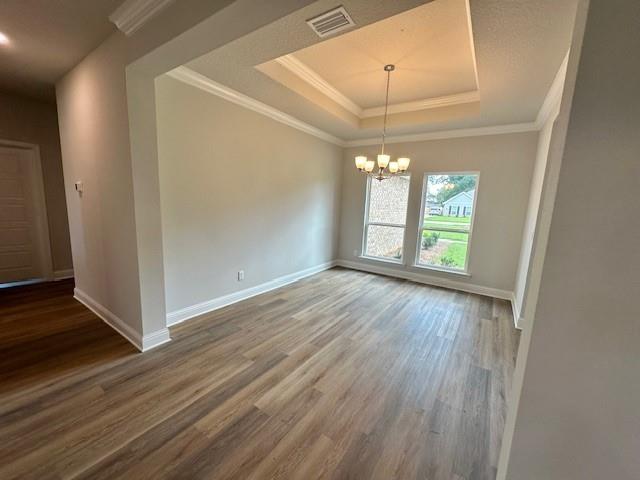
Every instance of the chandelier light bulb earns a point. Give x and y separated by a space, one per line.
369 166
383 160
403 164
393 167
361 161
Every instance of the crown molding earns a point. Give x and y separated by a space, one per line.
310 76
473 43
549 109
435 102
195 79
188 76
551 105
305 73
458 133
132 14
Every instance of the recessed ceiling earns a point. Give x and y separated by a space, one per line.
46 38
518 48
431 47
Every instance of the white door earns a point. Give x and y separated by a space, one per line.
20 247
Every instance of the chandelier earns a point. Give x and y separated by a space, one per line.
386 167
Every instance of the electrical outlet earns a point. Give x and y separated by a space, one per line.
240 275
355 253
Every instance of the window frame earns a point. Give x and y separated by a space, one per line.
366 224
421 228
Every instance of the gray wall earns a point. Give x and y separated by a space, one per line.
31 121
526 290
577 416
94 134
239 191
108 137
505 163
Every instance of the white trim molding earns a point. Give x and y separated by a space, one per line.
473 44
551 104
22 283
142 343
549 107
427 279
458 133
518 321
305 73
188 76
155 339
179 316
63 274
424 104
133 14
310 76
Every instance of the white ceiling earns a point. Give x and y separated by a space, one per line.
519 46
47 38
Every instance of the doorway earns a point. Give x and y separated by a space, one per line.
24 233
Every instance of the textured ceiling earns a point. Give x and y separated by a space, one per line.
519 46
430 46
47 38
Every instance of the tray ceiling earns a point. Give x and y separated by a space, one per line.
460 65
431 47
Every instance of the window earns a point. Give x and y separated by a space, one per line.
448 203
385 218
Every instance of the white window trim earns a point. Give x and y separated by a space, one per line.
366 224
474 206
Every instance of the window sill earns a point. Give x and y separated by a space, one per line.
461 273
383 260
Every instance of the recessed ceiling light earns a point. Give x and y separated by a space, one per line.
4 40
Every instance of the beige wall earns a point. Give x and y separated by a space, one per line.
579 385
505 163
540 208
239 191
523 288
108 137
94 134
35 122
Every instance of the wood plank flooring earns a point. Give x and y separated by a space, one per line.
341 375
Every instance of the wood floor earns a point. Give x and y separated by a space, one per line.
341 375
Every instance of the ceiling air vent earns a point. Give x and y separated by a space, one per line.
331 22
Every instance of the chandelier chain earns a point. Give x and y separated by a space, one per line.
386 107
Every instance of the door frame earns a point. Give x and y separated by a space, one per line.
32 151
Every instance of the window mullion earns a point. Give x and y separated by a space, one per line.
381 224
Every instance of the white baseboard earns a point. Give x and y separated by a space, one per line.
179 316
63 274
427 279
142 343
155 339
22 283
57 275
